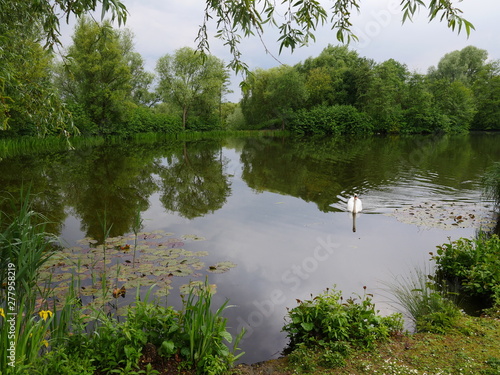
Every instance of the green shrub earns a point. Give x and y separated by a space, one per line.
328 318
335 120
146 120
474 263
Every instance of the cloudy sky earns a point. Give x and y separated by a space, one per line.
161 27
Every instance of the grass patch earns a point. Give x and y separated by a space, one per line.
471 349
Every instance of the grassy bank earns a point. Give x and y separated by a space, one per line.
29 145
473 348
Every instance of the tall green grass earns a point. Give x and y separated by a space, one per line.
12 147
205 331
429 307
24 248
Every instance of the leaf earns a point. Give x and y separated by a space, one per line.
307 326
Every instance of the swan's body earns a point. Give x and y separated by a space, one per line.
354 204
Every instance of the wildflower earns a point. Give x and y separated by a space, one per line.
45 343
2 313
44 314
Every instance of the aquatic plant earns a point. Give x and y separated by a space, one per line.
24 248
204 332
138 260
445 215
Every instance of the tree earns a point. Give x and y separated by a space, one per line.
98 77
193 82
27 97
456 101
331 77
272 95
29 103
487 95
421 114
297 20
385 95
463 65
141 81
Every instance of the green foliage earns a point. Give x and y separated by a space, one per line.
58 361
335 120
272 95
23 243
146 120
328 318
29 103
159 323
385 96
474 263
430 309
298 23
204 332
487 95
456 102
194 84
463 65
96 75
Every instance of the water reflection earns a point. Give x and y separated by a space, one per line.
194 181
275 207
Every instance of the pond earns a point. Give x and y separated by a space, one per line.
265 217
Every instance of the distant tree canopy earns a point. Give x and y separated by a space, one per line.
101 87
345 93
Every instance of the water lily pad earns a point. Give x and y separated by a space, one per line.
221 267
142 261
195 286
445 216
193 237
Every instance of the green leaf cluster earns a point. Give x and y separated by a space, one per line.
196 336
334 120
475 264
297 21
328 318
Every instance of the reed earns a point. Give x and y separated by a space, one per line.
24 248
205 330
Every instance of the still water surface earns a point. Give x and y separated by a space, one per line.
276 208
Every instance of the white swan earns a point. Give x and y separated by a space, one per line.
354 204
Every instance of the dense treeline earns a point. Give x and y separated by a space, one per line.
341 92
100 87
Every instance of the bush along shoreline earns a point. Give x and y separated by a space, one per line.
327 333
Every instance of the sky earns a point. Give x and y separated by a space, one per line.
161 27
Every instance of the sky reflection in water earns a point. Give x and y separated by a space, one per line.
278 212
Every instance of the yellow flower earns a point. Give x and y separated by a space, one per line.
2 313
44 314
46 343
